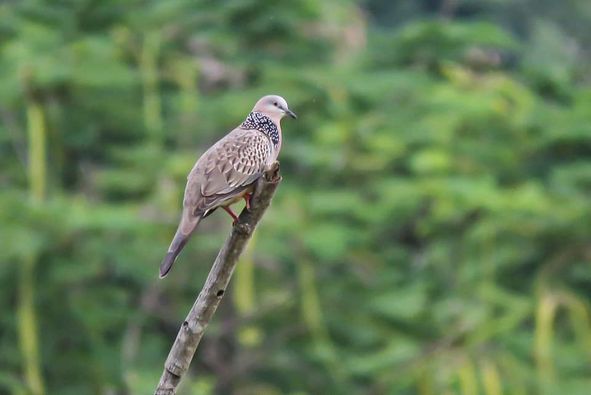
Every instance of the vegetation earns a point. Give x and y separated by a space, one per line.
431 235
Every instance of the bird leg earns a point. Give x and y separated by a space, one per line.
247 196
232 213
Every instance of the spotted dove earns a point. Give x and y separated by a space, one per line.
227 171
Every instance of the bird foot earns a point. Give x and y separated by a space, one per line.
231 213
247 199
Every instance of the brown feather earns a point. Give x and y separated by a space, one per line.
223 174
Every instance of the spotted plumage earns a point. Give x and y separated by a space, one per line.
227 171
261 122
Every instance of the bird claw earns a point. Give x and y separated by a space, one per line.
231 213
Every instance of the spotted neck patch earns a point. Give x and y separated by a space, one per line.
262 123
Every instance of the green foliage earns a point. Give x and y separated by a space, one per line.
430 235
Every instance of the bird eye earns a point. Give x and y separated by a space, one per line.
275 103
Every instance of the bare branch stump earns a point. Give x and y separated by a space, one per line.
193 328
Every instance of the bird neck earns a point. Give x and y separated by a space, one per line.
264 124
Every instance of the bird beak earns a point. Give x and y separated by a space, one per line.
290 113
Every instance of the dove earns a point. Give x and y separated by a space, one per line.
227 171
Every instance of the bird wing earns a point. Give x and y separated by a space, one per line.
224 170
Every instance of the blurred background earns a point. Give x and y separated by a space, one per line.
431 235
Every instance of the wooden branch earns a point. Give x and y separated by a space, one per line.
194 326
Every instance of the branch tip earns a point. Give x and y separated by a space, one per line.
201 313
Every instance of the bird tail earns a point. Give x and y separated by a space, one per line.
182 235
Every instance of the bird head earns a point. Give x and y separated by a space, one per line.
273 106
